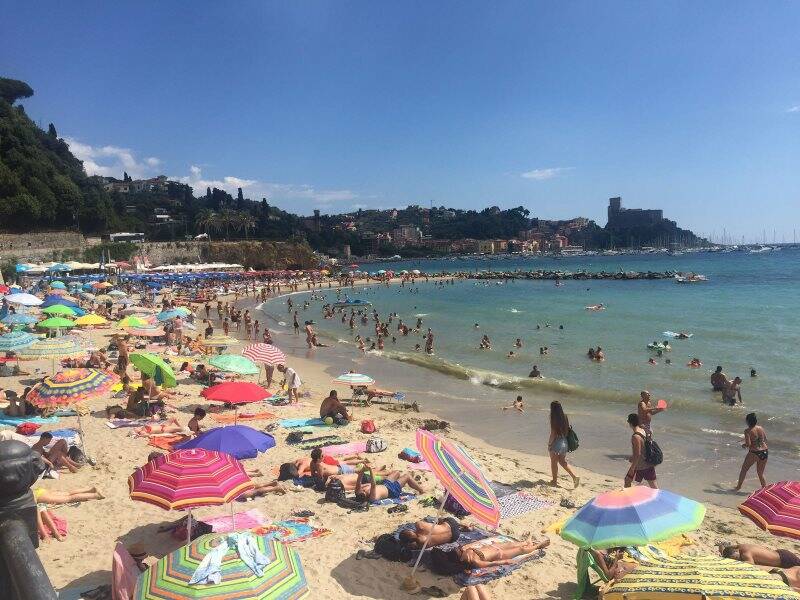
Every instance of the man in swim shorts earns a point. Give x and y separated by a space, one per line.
390 487
761 555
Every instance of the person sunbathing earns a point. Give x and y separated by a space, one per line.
262 489
761 555
379 393
391 486
444 531
171 427
303 464
480 555
790 577
58 456
613 563
45 496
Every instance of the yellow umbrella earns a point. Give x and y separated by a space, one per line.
90 319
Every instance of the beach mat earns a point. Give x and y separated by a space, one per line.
520 503
121 423
166 442
229 418
390 501
14 421
320 442
249 519
295 423
341 449
422 466
487 574
292 531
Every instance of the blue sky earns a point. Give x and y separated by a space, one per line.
693 107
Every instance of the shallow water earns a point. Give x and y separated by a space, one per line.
744 317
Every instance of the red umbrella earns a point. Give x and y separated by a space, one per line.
236 392
264 353
775 508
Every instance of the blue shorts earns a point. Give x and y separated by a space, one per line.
346 470
395 489
559 446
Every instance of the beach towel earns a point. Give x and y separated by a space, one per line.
120 423
520 503
229 418
294 423
321 442
341 449
487 574
502 489
166 442
124 574
60 523
292 531
390 501
422 466
245 520
306 481
65 412
70 436
14 421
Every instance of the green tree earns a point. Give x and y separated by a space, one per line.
12 90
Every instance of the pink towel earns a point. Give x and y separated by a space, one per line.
124 574
246 520
351 448
423 466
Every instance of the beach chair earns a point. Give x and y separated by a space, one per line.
586 562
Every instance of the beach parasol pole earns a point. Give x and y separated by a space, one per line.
409 583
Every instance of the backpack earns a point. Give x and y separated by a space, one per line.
390 548
376 444
334 492
652 451
368 426
572 440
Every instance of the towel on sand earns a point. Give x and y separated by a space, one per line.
320 442
14 421
487 574
423 466
341 449
291 531
232 418
120 423
166 442
249 519
520 503
293 423
389 501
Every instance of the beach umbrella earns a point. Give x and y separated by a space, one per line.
186 479
775 508
88 296
168 315
60 310
698 577
145 331
90 319
101 285
633 516
235 392
132 321
56 323
70 386
117 294
57 292
23 299
103 298
21 268
53 348
279 575
59 268
233 363
219 341
239 441
264 353
54 299
18 319
154 366
16 340
354 379
59 285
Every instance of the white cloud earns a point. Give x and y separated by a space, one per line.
111 161
255 189
794 109
543 174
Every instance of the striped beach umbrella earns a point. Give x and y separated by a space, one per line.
278 574
236 392
53 348
18 319
461 476
233 363
698 577
188 479
775 508
154 366
633 516
16 340
70 386
264 353
354 379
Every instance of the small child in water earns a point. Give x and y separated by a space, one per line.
516 405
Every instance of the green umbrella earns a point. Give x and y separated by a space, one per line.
59 309
155 367
56 323
234 363
131 321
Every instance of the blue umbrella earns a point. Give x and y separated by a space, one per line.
59 268
16 340
20 268
239 441
168 315
53 299
18 319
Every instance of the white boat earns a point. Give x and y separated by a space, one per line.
760 250
690 278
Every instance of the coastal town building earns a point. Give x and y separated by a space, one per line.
628 218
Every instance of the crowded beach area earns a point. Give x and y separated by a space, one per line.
181 443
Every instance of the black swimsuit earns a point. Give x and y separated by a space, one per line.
455 529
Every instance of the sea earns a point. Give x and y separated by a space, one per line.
746 316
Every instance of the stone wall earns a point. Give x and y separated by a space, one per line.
43 246
165 253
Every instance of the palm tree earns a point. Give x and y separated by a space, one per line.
206 220
227 219
246 222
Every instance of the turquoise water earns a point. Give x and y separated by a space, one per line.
745 316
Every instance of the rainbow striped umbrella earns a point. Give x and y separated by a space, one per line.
461 476
189 478
70 386
354 379
264 353
634 516
775 508
281 575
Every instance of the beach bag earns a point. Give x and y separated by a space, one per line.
454 507
27 428
376 444
572 440
368 426
390 548
334 492
652 451
410 455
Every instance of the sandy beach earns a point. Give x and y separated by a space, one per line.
83 560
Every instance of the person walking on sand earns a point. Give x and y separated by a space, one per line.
755 440
557 444
640 469
646 410
293 382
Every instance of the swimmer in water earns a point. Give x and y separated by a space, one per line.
535 373
517 405
510 354
518 343
652 361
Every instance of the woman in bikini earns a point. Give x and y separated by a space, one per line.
445 531
755 440
613 563
480 555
